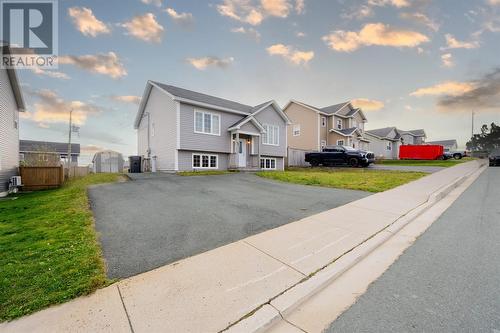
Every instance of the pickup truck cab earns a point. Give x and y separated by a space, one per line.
340 155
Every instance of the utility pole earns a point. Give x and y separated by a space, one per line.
68 157
472 128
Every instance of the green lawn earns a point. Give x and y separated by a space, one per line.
354 179
48 248
437 163
204 173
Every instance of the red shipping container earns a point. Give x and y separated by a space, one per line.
421 152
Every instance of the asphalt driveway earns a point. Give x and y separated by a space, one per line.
156 220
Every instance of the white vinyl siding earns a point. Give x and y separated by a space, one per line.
271 135
206 123
205 161
267 163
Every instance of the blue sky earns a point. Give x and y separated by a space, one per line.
407 63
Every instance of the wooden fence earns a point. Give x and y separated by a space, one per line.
296 157
76 171
41 178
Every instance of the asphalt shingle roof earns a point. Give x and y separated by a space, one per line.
347 131
334 108
207 99
45 146
381 132
417 132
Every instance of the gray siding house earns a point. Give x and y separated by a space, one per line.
44 153
385 142
449 145
11 103
183 130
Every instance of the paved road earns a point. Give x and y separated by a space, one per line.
429 169
448 281
156 220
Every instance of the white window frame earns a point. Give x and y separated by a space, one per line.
339 124
265 137
270 159
201 161
323 144
339 143
296 130
203 131
388 146
323 121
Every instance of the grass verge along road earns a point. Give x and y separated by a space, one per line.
49 251
353 179
435 163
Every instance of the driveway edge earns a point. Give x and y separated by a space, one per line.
277 308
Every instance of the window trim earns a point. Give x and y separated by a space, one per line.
323 122
266 127
212 114
323 144
388 146
201 163
339 122
270 159
294 130
338 143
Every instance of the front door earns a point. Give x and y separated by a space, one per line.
242 153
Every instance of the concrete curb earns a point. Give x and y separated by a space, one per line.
278 307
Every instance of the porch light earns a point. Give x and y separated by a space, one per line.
248 141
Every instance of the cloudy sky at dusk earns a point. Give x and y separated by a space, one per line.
407 63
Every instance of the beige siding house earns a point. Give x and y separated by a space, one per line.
314 128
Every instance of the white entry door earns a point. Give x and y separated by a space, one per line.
242 154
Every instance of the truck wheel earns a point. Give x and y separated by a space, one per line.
457 156
314 163
353 162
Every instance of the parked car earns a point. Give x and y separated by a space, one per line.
495 157
340 155
458 155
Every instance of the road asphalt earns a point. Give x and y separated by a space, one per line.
448 281
156 220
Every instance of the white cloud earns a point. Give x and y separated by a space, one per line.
105 63
449 88
279 8
85 22
49 73
453 43
157 3
395 3
144 27
251 32
494 2
447 60
373 34
126 99
300 34
50 108
300 6
205 62
295 57
91 149
367 104
421 18
184 19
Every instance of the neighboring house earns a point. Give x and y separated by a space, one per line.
11 103
107 161
449 145
314 128
385 142
43 153
184 130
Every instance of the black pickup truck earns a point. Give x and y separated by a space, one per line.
340 155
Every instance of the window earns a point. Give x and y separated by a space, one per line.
296 130
323 144
323 121
271 135
205 161
268 163
206 123
21 156
388 146
340 142
354 123
339 124
16 120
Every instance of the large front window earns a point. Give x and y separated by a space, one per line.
271 135
206 123
268 163
204 161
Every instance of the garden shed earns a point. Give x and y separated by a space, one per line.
107 161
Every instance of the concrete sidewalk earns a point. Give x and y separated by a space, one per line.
222 288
